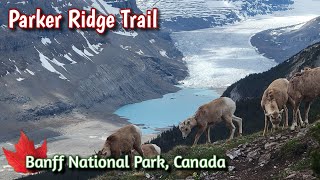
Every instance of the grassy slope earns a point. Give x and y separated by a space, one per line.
293 155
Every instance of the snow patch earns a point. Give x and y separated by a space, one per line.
56 9
78 51
17 69
30 72
126 33
163 53
20 79
45 41
125 47
152 41
140 52
21 2
57 41
46 64
103 7
69 59
93 48
87 53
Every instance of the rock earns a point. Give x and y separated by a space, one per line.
189 178
234 154
231 168
264 159
148 176
270 145
291 176
302 133
283 138
271 138
252 154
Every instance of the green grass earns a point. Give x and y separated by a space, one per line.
202 151
293 147
315 132
302 164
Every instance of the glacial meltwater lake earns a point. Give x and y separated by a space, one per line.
157 114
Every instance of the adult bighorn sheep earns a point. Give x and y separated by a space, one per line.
123 141
273 103
221 109
304 86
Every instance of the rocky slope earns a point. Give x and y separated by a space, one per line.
281 155
284 154
282 43
47 72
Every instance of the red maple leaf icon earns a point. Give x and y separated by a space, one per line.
24 148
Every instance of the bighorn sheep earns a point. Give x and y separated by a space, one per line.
304 86
123 141
221 109
273 102
149 150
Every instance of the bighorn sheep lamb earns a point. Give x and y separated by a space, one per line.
273 102
149 150
221 109
123 141
304 86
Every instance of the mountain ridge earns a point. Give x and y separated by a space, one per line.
48 72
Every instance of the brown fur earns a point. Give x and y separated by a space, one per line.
149 150
218 110
304 87
123 141
275 98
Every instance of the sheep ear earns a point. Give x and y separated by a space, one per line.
282 111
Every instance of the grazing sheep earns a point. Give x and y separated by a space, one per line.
221 109
149 150
273 103
123 141
304 86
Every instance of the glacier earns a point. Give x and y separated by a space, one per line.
219 56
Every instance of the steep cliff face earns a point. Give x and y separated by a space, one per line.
282 43
46 72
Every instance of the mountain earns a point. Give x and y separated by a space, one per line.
187 15
47 72
282 43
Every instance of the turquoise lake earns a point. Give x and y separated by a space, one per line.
157 114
